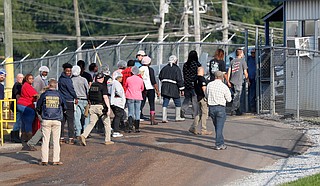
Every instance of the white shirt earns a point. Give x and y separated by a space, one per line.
145 74
118 97
218 93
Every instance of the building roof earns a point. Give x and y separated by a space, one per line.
274 15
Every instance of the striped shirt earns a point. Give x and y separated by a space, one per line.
218 93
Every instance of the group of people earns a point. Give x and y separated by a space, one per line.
84 100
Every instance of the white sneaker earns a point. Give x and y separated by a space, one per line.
117 135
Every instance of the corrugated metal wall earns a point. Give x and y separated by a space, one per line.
309 83
302 9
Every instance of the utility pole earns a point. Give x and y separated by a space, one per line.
196 17
77 24
225 20
7 6
186 30
161 31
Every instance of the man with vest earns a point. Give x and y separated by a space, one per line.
50 105
99 107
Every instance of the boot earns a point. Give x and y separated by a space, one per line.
153 120
15 137
24 139
136 126
164 115
178 114
130 122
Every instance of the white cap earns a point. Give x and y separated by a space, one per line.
146 60
173 59
141 52
76 70
43 69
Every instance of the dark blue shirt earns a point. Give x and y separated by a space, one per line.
1 91
251 67
66 88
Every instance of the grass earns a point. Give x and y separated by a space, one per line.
307 181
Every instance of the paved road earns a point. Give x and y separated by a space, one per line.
160 155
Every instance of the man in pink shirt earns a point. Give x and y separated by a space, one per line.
134 87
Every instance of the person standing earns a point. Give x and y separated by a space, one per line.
201 114
40 81
16 92
93 69
118 101
140 54
67 92
190 71
25 106
121 66
238 69
50 106
2 78
252 81
81 88
127 73
151 88
83 73
134 87
171 88
217 64
99 107
218 94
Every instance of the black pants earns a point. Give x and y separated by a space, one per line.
118 117
68 117
150 94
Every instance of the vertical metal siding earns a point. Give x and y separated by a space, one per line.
302 9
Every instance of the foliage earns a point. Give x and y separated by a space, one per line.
307 181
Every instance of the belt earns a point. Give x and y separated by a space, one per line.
82 99
95 103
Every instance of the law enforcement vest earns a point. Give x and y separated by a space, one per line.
95 93
51 107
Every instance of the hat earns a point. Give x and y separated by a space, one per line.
122 64
117 74
106 70
173 59
43 69
135 70
76 70
218 74
141 53
2 72
99 75
146 60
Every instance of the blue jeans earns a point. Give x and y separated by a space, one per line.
78 114
218 115
27 117
17 124
166 101
134 108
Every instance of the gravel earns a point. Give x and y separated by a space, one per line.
292 168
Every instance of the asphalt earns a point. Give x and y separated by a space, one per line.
166 154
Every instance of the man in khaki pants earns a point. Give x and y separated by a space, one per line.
201 114
50 105
99 107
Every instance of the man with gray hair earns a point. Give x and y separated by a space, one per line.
172 87
81 87
218 94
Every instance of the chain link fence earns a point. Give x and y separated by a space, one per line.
289 82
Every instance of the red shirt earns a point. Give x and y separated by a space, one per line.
27 95
125 74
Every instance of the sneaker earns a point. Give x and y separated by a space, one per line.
221 147
205 132
83 140
109 143
62 141
29 148
165 121
117 135
57 163
233 113
193 131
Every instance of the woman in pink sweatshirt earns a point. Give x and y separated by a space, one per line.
134 87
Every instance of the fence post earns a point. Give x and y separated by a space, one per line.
298 87
272 87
